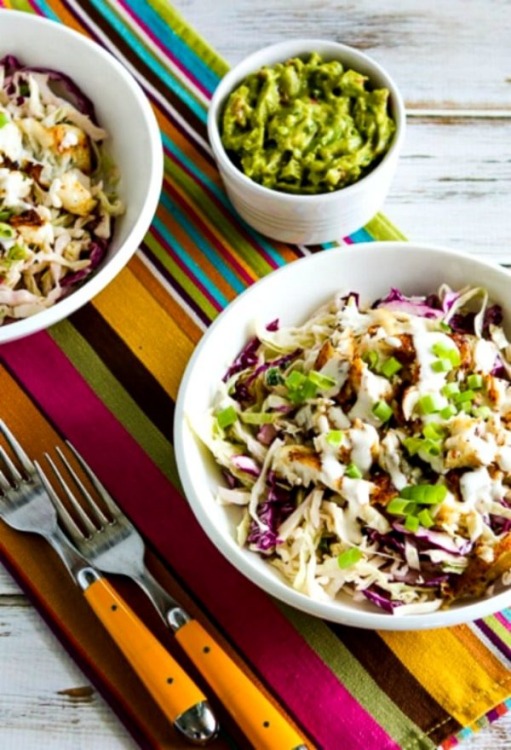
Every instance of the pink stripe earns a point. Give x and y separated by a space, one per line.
186 73
304 683
503 620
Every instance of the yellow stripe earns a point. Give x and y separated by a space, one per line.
464 689
145 327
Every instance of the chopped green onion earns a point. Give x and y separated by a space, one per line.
398 506
226 417
475 381
300 387
371 359
433 431
4 119
463 397
449 389
255 417
324 382
429 404
294 380
16 252
413 445
308 389
483 412
450 353
334 437
448 412
441 365
431 447
424 494
6 231
390 367
349 557
353 472
445 327
466 407
425 518
382 411
412 523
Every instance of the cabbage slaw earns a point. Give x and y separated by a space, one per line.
369 449
57 189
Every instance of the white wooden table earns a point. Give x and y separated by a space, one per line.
452 61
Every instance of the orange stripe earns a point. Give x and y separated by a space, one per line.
68 18
480 653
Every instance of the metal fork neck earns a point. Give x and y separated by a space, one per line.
170 611
75 563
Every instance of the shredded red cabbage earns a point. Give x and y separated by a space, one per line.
79 100
272 513
381 599
97 252
420 306
246 358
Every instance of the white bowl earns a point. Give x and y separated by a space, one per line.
307 219
291 294
134 142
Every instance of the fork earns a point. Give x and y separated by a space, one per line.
115 546
25 506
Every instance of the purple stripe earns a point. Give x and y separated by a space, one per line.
282 657
494 638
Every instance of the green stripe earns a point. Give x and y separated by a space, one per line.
382 229
180 277
498 628
116 399
178 24
357 681
22 5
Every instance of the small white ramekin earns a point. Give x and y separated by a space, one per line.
307 219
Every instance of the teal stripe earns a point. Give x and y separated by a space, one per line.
166 77
362 235
185 54
47 10
208 250
194 270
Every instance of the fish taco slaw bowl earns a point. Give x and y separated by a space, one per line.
346 443
81 167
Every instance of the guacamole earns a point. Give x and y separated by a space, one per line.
306 126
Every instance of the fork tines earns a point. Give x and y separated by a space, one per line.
94 510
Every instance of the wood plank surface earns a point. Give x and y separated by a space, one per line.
452 61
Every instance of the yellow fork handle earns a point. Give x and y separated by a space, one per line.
260 720
163 677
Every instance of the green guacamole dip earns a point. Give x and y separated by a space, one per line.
306 126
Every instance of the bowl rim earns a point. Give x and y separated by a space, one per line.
111 266
240 557
297 47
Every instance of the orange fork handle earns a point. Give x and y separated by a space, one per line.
165 680
260 720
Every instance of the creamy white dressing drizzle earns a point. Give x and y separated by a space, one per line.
372 389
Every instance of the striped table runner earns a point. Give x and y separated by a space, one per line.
107 379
